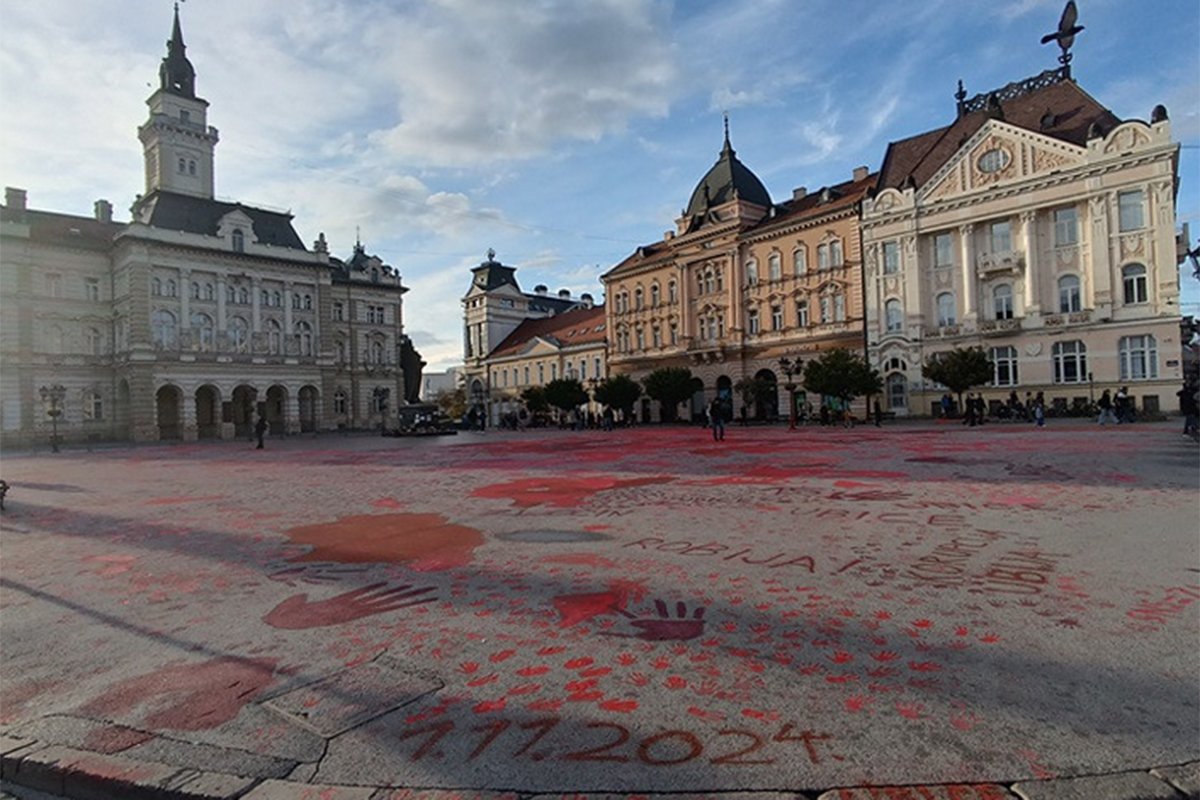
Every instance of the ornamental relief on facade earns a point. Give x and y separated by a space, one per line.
1045 160
1126 139
891 284
992 161
1133 244
951 184
943 278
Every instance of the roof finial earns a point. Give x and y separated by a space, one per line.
727 149
357 238
1065 36
961 97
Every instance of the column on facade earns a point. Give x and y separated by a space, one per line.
187 413
1098 251
185 299
291 413
221 323
1033 275
685 304
256 304
737 308
287 314
966 234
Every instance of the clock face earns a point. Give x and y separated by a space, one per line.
993 160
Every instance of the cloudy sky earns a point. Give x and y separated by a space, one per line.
562 133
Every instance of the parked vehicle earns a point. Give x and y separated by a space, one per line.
421 419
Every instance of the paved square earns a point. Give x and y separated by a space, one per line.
643 610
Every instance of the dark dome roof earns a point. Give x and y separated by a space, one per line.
727 178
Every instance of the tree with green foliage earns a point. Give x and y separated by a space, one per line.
842 374
619 392
754 392
670 386
453 403
959 369
565 394
535 400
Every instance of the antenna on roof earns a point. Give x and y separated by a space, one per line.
1065 36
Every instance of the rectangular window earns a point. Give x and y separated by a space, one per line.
839 308
526 376
91 287
891 258
802 313
752 322
674 333
776 318
1066 227
826 315
339 312
1129 211
943 250
596 367
1001 233
54 285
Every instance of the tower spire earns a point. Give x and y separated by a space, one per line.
727 148
176 74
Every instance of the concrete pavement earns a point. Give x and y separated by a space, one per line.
992 612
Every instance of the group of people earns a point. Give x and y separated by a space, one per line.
1117 410
1189 405
976 410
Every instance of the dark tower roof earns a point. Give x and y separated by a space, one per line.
176 74
728 178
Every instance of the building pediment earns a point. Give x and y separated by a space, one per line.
999 154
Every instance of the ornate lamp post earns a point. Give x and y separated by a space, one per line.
791 368
54 396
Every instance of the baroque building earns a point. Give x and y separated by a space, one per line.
513 340
1038 226
197 315
739 284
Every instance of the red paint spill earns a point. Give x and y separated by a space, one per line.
387 502
188 697
621 706
426 542
576 608
581 559
559 492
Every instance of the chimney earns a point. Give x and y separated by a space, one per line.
799 192
564 294
103 210
14 199
861 173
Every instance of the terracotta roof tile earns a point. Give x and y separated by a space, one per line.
571 328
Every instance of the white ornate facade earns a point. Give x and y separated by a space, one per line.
1039 227
196 316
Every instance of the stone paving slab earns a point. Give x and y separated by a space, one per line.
287 790
641 612
1184 777
989 791
1126 786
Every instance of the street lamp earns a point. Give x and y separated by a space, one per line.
791 368
54 396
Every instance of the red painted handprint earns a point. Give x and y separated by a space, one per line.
664 627
297 612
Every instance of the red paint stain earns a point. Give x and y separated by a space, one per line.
188 697
487 706
387 502
621 706
114 738
581 559
559 492
426 542
575 608
13 699
545 705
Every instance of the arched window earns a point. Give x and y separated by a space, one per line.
775 266
1139 357
946 311
897 390
339 401
637 299
835 253
295 302
156 287
1004 366
304 331
202 331
1002 301
195 290
1069 298
239 335
230 294
800 260
720 280
239 240
339 351
210 292
710 284
170 289
375 355
894 316
163 328
274 337
672 292
308 302
277 299
822 256
182 165
751 272
654 298
244 296
1070 361
1133 277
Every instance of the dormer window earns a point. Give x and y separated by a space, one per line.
239 240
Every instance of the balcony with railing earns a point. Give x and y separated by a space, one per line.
1002 262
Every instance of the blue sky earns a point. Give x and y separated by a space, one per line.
562 134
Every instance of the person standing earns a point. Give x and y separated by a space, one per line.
260 429
1106 408
1190 408
878 414
716 419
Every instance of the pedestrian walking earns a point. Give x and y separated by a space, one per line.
716 420
1122 404
1190 408
1105 404
878 414
969 411
1039 412
260 428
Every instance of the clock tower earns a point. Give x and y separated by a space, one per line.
176 140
